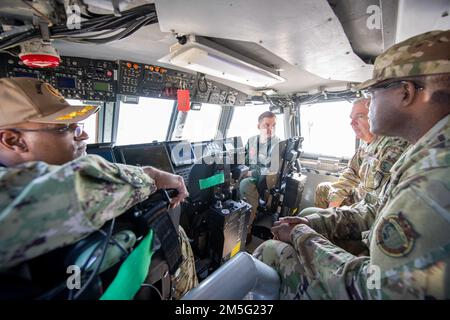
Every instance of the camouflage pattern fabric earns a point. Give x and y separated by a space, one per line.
283 258
425 54
44 207
185 278
344 223
367 171
373 163
409 240
322 193
321 197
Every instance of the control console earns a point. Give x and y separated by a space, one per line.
158 82
75 78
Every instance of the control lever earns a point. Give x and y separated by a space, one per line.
153 206
169 193
239 172
218 197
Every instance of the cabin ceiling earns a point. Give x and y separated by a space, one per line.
301 33
314 43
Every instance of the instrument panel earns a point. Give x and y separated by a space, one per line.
103 80
159 82
75 78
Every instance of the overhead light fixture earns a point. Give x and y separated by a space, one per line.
204 56
38 54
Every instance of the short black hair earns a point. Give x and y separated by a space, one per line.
266 114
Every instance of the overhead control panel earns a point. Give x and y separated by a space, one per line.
101 80
152 81
209 91
75 78
159 82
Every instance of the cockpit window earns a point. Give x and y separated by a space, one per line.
90 124
202 125
327 130
245 120
144 122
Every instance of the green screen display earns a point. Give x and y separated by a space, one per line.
101 86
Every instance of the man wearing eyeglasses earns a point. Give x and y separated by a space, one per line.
368 169
359 185
52 195
409 241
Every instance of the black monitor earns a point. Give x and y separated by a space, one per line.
227 145
201 172
181 153
153 154
104 150
210 149
198 148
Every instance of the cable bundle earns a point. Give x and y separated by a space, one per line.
326 96
95 29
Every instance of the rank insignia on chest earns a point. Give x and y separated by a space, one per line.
395 235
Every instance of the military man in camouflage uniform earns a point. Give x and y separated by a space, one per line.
366 171
258 152
51 194
409 241
360 184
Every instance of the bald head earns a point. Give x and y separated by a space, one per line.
360 120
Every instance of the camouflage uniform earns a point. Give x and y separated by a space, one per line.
185 278
365 174
45 207
409 240
323 190
257 157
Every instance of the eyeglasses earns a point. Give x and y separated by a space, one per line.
359 116
368 93
75 128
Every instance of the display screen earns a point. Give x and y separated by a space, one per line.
24 74
147 155
101 86
65 82
105 152
181 153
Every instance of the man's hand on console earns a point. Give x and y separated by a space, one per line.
166 180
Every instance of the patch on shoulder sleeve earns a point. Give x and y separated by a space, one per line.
396 236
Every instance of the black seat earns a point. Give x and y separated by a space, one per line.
272 202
